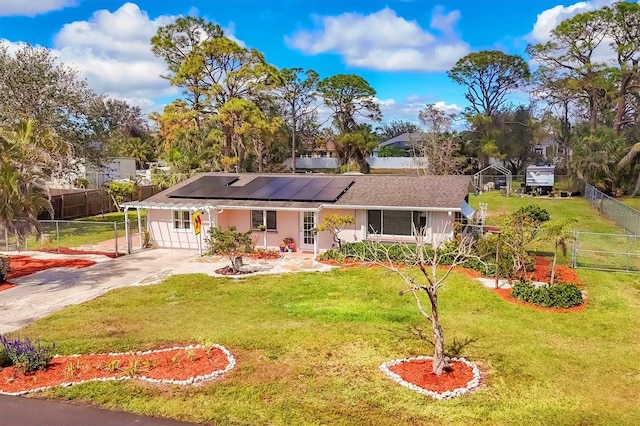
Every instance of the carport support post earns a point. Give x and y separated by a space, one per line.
139 227
126 229
115 235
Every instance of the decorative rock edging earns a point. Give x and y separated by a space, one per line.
230 365
473 383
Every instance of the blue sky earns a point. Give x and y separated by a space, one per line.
403 48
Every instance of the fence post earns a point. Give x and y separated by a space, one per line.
574 249
629 238
115 235
58 235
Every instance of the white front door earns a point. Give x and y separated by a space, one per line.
307 230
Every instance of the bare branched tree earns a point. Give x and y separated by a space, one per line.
429 261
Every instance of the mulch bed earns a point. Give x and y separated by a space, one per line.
228 270
24 265
183 365
419 372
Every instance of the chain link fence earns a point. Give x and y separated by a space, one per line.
60 235
606 252
624 216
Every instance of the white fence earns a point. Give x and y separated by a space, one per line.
374 163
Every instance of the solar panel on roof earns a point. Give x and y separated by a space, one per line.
267 188
203 187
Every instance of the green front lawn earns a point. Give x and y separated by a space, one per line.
309 345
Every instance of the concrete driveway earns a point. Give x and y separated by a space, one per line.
40 294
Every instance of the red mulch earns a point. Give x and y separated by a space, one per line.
175 364
25 265
419 372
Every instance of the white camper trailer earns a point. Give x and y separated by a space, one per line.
539 179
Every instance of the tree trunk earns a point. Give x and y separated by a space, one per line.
226 151
637 188
439 363
553 265
293 148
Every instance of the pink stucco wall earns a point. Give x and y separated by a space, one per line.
289 224
164 236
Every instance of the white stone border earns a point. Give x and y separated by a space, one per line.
473 383
231 364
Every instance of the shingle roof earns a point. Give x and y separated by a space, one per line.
403 191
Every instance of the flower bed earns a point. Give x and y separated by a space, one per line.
176 365
416 374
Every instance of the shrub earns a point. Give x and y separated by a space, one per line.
563 295
534 212
4 268
332 255
26 355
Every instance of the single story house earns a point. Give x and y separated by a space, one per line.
292 205
407 143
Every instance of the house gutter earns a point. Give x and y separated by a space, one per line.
404 208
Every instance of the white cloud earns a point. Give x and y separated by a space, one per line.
408 109
385 41
113 51
33 7
550 18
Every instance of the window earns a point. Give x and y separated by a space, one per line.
395 222
181 219
257 219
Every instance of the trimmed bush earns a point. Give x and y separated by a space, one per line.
26 355
562 295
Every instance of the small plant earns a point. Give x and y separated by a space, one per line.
72 369
133 368
191 355
112 366
27 356
146 239
176 361
335 223
5 268
230 242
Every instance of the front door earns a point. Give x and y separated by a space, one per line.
307 230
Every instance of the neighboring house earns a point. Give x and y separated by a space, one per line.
405 142
116 168
384 207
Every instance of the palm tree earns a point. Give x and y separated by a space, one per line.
630 159
24 162
558 233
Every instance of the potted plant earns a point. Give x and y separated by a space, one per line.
4 268
288 244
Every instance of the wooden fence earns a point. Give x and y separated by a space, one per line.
92 202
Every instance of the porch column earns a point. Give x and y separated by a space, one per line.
315 237
264 223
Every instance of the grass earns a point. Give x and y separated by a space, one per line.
559 209
86 231
633 202
309 345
